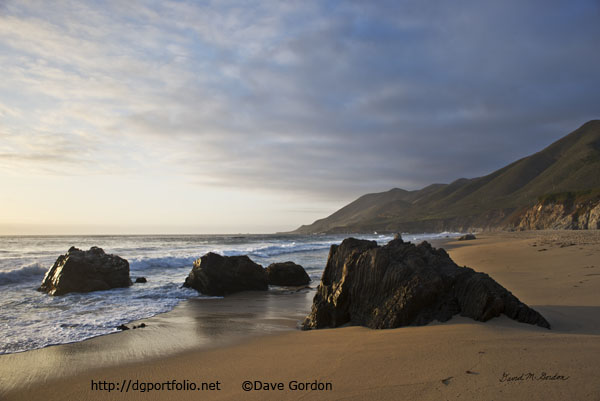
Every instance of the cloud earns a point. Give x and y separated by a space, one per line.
326 99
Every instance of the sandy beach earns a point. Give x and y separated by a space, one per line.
555 272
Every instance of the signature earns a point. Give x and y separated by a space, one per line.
531 376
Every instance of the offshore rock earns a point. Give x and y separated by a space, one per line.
218 275
402 284
85 271
287 273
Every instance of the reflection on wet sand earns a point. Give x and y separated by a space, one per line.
197 323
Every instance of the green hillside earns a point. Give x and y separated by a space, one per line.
569 164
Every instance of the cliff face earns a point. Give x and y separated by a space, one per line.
567 214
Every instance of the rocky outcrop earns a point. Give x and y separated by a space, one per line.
402 284
141 280
85 271
124 327
566 214
218 275
467 237
287 273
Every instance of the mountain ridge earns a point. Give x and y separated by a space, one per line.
493 201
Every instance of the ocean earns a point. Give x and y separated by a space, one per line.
30 319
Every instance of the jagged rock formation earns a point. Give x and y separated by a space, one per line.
287 273
218 275
570 210
85 271
402 284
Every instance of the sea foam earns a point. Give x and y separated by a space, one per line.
29 272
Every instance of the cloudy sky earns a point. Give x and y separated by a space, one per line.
258 116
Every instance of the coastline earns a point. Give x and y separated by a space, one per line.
428 362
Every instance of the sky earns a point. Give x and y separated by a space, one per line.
122 117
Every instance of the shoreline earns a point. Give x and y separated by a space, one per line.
436 242
557 282
195 324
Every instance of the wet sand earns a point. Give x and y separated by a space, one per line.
557 273
195 324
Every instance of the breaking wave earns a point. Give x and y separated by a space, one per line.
23 274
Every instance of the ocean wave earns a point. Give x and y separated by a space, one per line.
146 263
285 247
22 274
269 250
429 236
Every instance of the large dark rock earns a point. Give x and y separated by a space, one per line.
287 273
402 284
467 237
218 275
85 271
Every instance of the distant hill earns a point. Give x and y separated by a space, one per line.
493 201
